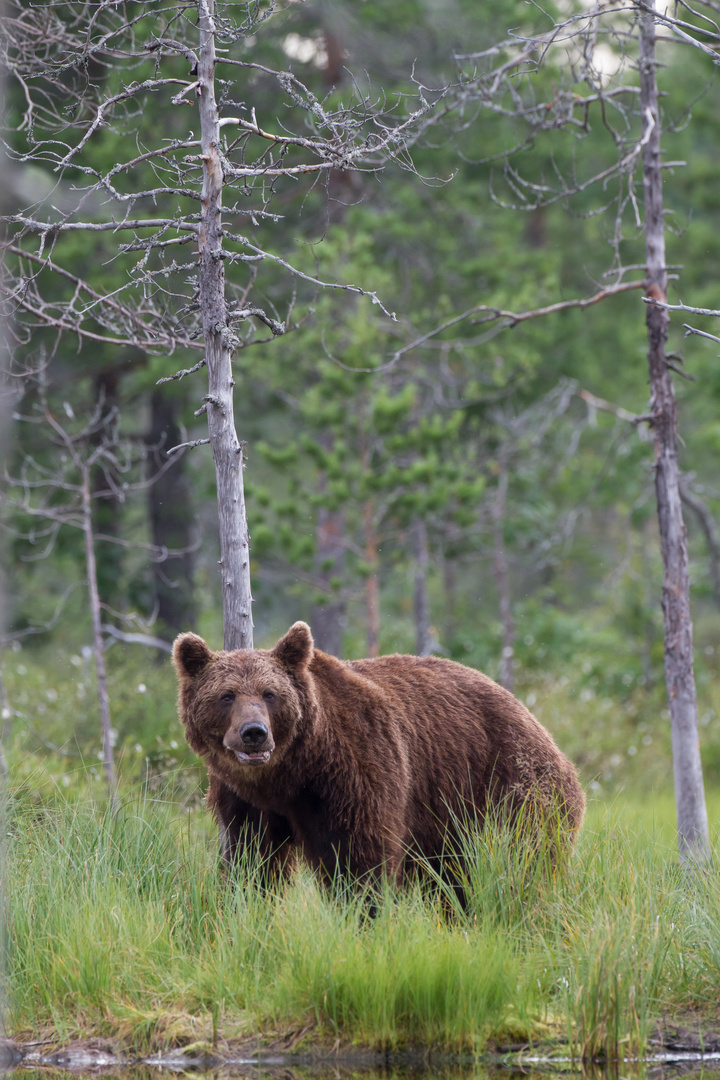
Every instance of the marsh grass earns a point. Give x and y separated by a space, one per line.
405 975
123 925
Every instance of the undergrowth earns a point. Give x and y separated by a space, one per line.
122 925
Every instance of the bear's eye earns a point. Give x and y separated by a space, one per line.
268 695
229 695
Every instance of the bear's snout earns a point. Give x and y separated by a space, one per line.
253 734
249 738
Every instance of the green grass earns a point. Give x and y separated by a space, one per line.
123 926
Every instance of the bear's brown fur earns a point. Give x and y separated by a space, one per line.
352 764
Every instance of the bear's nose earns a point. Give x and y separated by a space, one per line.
253 734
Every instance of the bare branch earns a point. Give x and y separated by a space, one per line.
678 28
187 445
709 528
617 410
183 373
137 639
511 319
680 307
689 330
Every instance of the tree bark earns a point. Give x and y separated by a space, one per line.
220 343
170 519
109 509
449 575
647 542
692 822
506 669
372 587
98 649
326 619
421 603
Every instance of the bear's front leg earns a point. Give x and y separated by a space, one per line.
277 848
239 822
245 829
376 859
354 857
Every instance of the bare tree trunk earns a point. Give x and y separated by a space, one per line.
421 603
96 614
449 573
506 670
327 618
170 519
647 543
692 819
108 509
372 589
5 437
219 346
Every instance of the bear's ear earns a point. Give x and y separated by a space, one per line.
296 648
190 655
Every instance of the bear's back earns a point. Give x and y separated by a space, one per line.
432 693
468 740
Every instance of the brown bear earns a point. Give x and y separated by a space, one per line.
352 764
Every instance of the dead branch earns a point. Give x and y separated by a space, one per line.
680 307
491 314
709 528
137 639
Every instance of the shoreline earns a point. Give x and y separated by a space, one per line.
683 1041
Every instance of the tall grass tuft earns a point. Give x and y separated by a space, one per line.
498 870
615 935
121 924
403 976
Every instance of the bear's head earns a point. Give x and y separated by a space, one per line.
242 710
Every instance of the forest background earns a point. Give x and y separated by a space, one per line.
480 492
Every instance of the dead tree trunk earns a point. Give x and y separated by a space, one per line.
169 503
692 819
219 346
421 603
327 618
506 671
372 585
449 579
98 649
109 509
